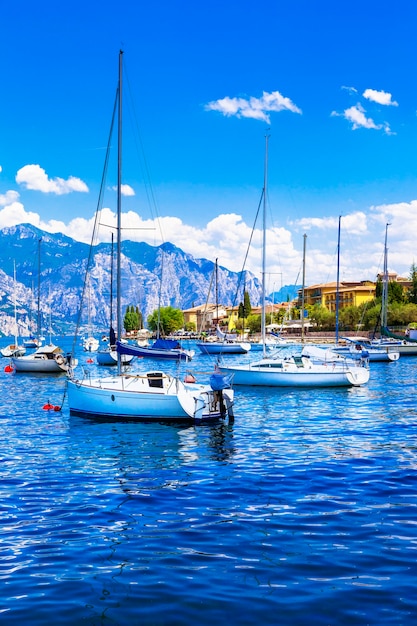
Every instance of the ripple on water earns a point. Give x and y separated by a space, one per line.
301 510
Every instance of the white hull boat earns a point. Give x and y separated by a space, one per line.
150 396
91 344
109 357
301 371
13 350
224 347
297 371
358 347
47 359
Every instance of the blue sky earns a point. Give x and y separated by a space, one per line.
334 83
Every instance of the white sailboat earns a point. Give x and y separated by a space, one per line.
151 395
406 347
223 343
358 348
45 359
296 370
14 349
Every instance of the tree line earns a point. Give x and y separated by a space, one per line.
402 311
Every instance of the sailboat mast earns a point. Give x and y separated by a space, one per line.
263 315
119 213
384 304
14 298
337 283
38 329
111 282
217 293
303 288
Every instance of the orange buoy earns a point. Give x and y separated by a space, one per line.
189 378
9 368
57 408
48 406
90 361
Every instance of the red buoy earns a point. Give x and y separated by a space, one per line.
9 368
48 406
90 361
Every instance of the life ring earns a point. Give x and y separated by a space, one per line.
60 359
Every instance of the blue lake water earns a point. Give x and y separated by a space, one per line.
301 511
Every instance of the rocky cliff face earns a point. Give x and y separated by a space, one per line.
63 261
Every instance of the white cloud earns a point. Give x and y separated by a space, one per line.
381 97
35 178
8 197
351 90
126 190
227 237
15 213
356 116
353 223
255 108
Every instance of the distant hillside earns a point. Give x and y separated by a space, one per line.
63 261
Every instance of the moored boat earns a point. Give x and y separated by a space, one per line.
47 359
143 395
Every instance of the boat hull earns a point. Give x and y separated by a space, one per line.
315 376
30 364
13 350
177 354
149 396
48 359
223 348
109 358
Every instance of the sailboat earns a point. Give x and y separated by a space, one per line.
14 349
357 347
406 347
226 343
45 359
153 395
302 370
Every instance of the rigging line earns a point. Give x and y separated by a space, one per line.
241 273
203 319
137 138
128 228
96 222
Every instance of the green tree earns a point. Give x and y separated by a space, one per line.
412 294
253 322
170 320
132 319
395 292
349 317
322 317
245 307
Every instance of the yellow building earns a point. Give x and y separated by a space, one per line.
350 294
205 316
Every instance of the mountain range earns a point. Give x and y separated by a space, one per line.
51 271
